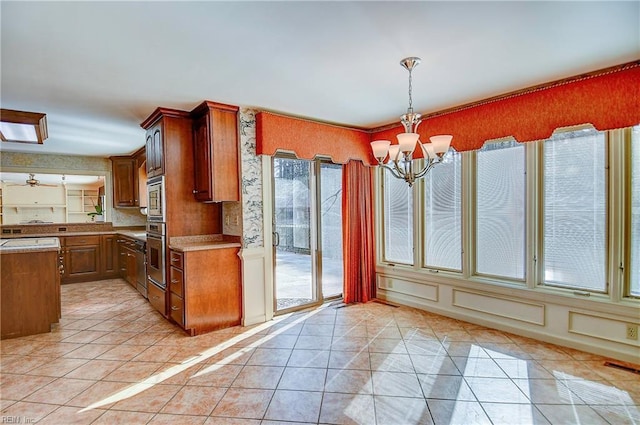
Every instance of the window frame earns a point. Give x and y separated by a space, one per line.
381 256
540 195
618 212
473 224
421 193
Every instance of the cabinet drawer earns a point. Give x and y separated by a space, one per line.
156 298
176 281
176 310
176 259
82 240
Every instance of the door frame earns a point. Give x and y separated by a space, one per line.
315 239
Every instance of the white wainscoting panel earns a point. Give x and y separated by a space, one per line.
422 290
254 293
600 327
499 306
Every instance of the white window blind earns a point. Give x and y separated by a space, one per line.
574 214
500 210
442 214
398 220
634 282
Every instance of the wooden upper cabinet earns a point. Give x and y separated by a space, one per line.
127 179
125 182
154 145
215 149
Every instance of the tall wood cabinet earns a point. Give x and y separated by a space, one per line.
169 143
215 145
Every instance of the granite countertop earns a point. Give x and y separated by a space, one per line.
203 242
26 245
139 234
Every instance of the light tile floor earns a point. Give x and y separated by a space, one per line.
113 360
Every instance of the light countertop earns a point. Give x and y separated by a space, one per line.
203 242
26 245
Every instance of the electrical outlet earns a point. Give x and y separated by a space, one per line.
632 331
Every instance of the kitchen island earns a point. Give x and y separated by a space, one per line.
30 286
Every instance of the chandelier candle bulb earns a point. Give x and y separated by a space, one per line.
441 143
407 142
394 150
428 150
380 149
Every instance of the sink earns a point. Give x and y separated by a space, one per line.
30 242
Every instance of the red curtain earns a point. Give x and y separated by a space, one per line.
357 233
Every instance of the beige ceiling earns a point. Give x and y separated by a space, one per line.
98 69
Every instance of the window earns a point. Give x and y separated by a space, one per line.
443 214
557 216
500 210
398 220
634 282
574 214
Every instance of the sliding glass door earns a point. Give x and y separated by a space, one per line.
307 237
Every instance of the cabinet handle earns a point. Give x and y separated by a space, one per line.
174 281
174 260
195 192
174 308
156 297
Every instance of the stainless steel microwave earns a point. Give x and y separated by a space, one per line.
156 208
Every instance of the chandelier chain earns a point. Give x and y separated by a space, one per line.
410 97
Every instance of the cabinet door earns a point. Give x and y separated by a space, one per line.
125 182
110 266
82 263
150 152
202 189
215 148
158 160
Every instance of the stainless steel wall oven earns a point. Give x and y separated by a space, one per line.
156 254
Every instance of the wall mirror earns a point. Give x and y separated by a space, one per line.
34 197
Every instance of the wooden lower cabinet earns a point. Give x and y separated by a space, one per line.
81 258
205 289
94 257
109 247
127 260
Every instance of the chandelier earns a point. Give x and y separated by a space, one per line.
401 162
